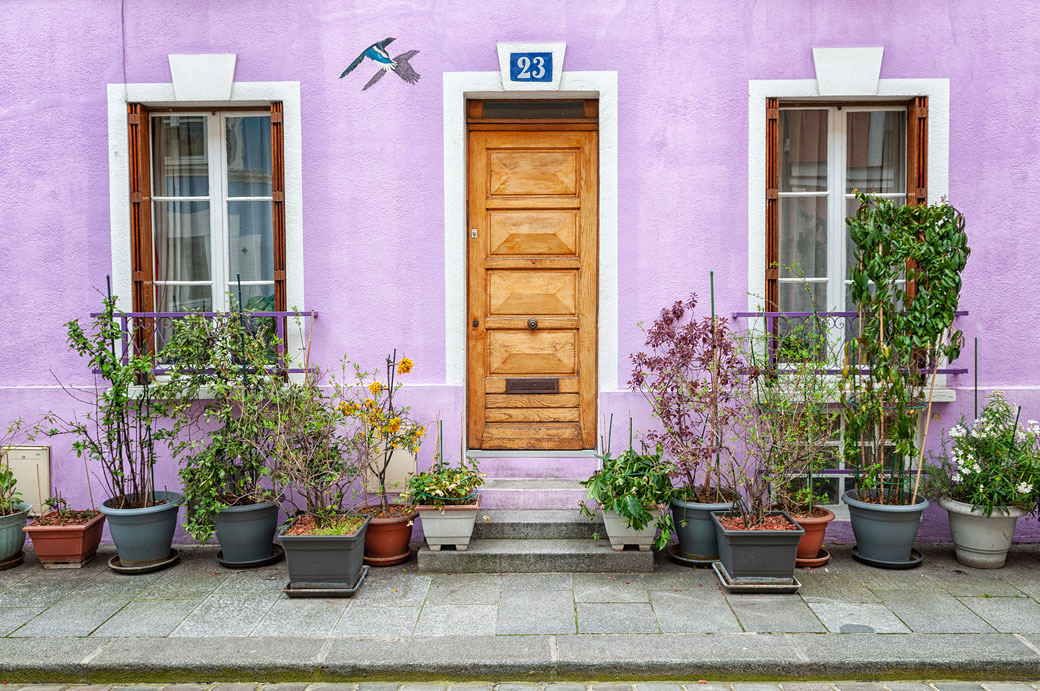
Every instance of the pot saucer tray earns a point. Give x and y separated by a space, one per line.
302 591
12 561
277 554
152 567
684 559
754 585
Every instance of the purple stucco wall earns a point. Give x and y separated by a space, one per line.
373 176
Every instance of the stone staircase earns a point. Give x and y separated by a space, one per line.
529 522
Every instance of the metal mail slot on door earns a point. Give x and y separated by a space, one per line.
544 385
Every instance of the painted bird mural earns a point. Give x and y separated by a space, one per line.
378 54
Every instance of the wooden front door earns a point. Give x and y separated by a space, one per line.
532 276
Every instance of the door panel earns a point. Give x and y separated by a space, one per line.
532 277
533 173
532 292
534 233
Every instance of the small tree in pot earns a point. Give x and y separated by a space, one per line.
214 379
689 374
989 478
906 283
120 433
315 467
378 427
788 416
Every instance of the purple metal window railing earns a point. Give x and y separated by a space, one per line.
836 322
156 326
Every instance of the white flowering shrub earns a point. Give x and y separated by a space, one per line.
993 462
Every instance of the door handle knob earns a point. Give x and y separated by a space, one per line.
476 323
532 323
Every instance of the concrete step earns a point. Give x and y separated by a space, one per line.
531 493
535 524
536 556
568 467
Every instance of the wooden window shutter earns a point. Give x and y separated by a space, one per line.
140 208
917 151
772 202
278 206
916 163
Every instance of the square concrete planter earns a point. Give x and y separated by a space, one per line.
620 534
66 546
449 524
758 554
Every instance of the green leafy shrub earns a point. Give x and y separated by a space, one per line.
636 486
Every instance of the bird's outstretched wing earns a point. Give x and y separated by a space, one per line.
404 68
354 64
380 46
375 78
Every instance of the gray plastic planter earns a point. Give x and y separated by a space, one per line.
884 533
144 536
979 540
246 533
324 561
695 529
12 539
758 554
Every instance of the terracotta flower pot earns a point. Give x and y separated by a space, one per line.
810 546
386 541
66 546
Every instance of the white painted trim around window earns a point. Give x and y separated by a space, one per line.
938 93
458 86
242 94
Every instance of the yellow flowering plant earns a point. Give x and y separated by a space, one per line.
373 421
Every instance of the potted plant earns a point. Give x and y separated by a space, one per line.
214 383
988 480
65 538
446 499
377 428
632 493
756 542
906 283
791 415
13 511
120 433
688 375
300 432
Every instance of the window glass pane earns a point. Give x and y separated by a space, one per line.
182 243
798 297
803 150
257 298
250 241
183 298
876 151
249 156
179 162
803 236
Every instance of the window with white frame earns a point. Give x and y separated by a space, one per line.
212 219
824 154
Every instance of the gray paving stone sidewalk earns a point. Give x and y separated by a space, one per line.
849 620
198 598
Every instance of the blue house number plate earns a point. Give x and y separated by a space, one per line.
530 67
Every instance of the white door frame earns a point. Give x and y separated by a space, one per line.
460 86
